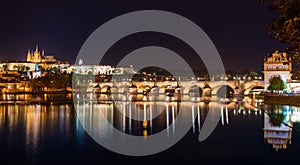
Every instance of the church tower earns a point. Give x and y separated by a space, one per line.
29 56
37 55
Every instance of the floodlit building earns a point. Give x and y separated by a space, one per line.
18 66
45 61
93 69
37 57
85 69
35 63
277 64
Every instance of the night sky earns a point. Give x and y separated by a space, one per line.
237 28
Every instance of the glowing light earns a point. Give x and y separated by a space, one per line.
145 133
145 123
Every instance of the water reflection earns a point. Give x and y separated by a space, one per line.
153 117
35 98
278 125
143 118
30 127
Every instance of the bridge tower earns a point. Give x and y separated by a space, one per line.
278 64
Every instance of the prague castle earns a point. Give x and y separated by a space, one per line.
36 61
37 57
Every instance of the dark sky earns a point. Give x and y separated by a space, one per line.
237 28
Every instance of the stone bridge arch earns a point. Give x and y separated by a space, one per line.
194 89
206 91
154 90
105 89
114 89
144 89
163 88
253 88
250 84
123 88
227 90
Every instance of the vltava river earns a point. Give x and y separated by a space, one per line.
50 132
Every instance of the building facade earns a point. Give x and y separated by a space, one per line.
277 64
38 57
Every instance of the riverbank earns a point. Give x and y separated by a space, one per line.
283 100
38 92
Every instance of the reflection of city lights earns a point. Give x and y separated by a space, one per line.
145 133
145 123
168 98
295 117
144 98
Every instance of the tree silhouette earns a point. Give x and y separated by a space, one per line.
276 118
286 27
276 83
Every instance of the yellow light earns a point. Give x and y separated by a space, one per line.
145 133
145 123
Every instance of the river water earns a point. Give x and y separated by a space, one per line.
43 130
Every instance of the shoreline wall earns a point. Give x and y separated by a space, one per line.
283 100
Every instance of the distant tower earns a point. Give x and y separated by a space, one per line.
80 62
37 55
28 56
278 64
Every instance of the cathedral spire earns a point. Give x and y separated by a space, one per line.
37 48
29 56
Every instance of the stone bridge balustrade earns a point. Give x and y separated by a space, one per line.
185 87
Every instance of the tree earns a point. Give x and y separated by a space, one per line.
276 83
5 68
276 118
27 68
36 85
286 27
20 68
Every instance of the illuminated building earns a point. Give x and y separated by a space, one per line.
85 69
93 69
15 75
295 118
278 64
37 57
45 61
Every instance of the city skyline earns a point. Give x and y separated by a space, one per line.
62 29
149 81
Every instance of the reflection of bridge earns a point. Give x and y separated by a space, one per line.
149 117
205 88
